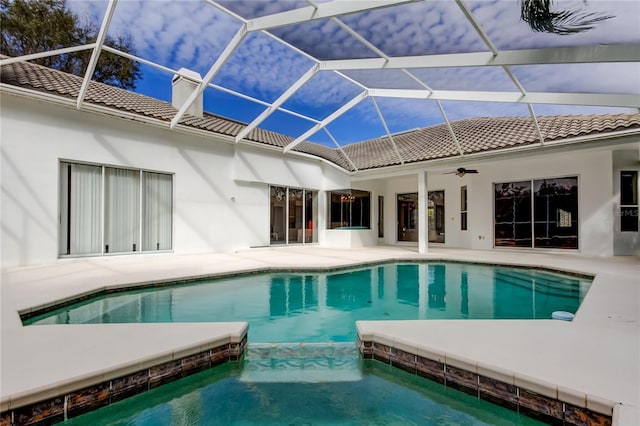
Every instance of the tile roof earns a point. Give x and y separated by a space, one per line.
473 135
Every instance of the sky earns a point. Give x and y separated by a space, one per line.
192 34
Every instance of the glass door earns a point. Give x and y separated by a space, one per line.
278 214
295 216
436 216
311 211
407 208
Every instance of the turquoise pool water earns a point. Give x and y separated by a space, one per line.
323 307
303 385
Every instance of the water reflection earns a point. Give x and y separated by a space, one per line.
324 307
464 294
438 287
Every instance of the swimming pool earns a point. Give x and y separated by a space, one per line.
323 307
299 385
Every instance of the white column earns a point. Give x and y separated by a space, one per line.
423 225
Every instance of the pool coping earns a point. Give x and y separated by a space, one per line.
83 394
533 397
523 261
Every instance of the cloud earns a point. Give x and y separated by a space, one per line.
323 40
323 94
193 34
466 78
264 67
384 79
249 9
430 27
580 78
171 33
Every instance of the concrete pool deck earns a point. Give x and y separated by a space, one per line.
596 354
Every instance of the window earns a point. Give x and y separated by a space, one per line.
463 208
293 213
380 216
537 213
512 220
629 201
113 210
555 208
349 209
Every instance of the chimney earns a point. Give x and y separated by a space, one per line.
182 85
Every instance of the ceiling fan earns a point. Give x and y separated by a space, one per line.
461 171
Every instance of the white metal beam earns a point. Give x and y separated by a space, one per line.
453 134
337 113
535 123
552 55
139 59
224 56
386 128
351 163
320 11
46 54
587 99
91 67
282 99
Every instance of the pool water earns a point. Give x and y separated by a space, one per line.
311 384
323 307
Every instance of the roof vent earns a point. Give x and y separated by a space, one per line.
182 85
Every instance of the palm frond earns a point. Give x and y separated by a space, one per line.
540 17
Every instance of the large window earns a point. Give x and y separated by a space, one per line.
540 213
113 210
629 201
293 215
349 209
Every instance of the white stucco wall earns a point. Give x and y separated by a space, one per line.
221 199
596 198
220 194
593 169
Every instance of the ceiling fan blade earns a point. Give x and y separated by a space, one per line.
471 171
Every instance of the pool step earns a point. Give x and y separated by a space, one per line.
301 362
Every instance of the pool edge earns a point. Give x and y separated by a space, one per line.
59 402
527 395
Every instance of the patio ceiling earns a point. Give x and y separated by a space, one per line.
339 72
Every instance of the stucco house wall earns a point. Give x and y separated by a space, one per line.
221 196
221 189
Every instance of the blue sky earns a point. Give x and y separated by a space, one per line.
192 34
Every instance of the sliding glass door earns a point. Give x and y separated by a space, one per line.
80 209
292 215
436 217
407 210
122 210
113 210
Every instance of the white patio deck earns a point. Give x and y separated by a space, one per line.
597 354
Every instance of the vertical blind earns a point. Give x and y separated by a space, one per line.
156 211
137 207
122 210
